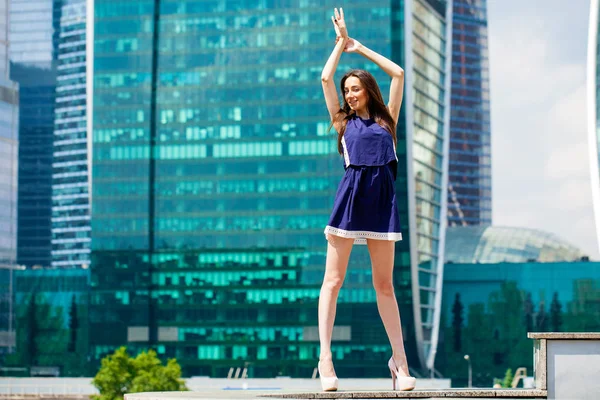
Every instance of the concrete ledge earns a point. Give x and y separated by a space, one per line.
4 396
564 335
567 364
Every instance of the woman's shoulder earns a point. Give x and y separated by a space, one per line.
341 120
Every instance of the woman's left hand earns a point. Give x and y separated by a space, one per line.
339 24
352 46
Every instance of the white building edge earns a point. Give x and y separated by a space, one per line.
592 112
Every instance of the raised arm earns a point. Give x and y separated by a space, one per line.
327 76
329 89
389 67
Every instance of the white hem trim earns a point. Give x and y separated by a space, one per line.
360 237
346 156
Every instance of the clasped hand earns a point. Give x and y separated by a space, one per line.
341 31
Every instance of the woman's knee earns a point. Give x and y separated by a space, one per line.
333 282
383 287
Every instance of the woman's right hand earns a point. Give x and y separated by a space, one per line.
339 24
352 45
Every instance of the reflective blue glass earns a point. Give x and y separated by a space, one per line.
488 309
50 310
9 104
490 244
70 182
470 176
9 147
9 124
33 43
214 175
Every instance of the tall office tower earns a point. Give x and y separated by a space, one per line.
470 165
9 147
34 39
70 186
593 90
214 174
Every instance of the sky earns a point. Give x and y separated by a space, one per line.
540 162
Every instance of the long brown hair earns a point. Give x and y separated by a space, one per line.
376 106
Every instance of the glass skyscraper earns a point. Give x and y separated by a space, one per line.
9 147
470 166
70 183
593 94
214 172
34 39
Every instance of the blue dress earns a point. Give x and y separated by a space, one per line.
365 203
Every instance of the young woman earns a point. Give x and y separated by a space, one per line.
365 208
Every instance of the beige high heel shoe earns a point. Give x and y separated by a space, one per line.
404 382
329 384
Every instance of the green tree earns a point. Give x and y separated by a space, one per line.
555 313
583 312
457 322
507 309
39 327
120 374
529 310
508 378
477 344
542 319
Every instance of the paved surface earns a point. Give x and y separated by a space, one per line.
415 394
447 394
83 386
256 389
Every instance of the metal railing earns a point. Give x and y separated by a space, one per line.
236 375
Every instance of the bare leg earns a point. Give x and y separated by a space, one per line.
338 254
382 259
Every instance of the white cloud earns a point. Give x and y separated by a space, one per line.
539 139
568 156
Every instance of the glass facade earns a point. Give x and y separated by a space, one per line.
491 244
51 312
70 184
9 147
489 308
214 175
470 165
7 311
4 33
427 154
34 39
